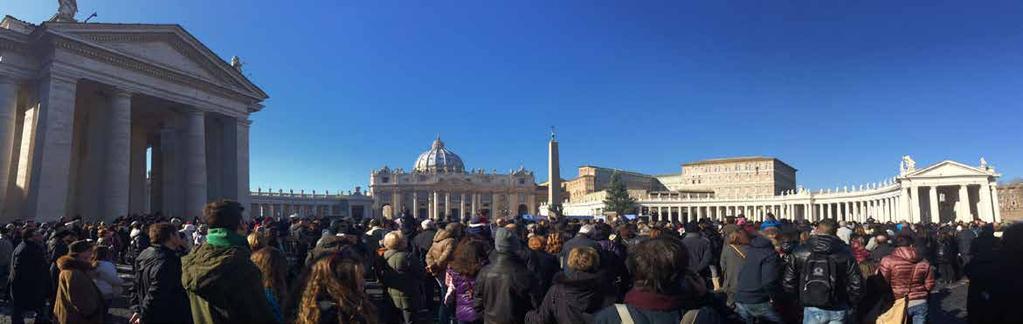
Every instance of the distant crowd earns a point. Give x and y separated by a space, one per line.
222 268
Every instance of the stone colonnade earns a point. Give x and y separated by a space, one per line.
915 197
77 147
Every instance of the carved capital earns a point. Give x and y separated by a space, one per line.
120 93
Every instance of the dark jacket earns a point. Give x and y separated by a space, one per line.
880 251
581 240
848 279
159 297
30 277
573 298
543 265
224 286
505 290
759 278
946 252
966 241
402 277
732 257
422 242
78 300
700 254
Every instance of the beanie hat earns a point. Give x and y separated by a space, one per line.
505 241
77 247
427 224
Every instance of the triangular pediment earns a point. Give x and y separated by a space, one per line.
165 46
947 168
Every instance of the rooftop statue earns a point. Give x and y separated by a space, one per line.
66 11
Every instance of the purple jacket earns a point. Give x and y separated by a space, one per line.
464 288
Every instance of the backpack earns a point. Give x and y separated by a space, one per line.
818 284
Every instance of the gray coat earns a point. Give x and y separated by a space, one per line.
731 263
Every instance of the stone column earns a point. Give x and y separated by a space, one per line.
117 166
436 205
242 159
994 204
984 205
905 202
415 204
8 124
195 163
447 205
51 149
963 205
461 206
137 182
475 204
934 213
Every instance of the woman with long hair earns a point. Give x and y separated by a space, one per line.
732 257
335 292
470 257
274 266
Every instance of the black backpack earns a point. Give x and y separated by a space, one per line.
819 281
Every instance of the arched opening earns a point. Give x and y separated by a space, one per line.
523 210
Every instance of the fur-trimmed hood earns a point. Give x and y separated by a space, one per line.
68 262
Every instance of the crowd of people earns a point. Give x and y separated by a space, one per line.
222 268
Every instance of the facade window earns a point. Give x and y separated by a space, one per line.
385 179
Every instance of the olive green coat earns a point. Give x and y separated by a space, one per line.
224 286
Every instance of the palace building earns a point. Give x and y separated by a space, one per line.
440 187
942 192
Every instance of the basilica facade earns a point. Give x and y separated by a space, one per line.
440 187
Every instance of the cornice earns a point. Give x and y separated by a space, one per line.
167 37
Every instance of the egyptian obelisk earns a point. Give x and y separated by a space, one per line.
554 175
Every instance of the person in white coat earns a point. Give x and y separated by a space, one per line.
104 274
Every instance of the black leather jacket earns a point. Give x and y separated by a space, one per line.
505 290
845 263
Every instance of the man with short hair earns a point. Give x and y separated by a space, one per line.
222 284
159 295
583 239
825 276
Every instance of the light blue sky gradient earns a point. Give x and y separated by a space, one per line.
838 89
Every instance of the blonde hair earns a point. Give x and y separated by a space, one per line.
256 241
537 242
394 241
554 242
583 259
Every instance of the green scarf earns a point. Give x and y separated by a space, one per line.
223 238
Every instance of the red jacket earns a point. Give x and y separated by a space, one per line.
908 273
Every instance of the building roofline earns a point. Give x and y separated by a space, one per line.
738 159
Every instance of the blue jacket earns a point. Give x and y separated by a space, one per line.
760 275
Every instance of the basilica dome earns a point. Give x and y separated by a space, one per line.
439 159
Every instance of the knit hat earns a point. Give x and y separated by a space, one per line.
427 224
77 247
505 241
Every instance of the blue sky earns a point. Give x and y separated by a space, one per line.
838 89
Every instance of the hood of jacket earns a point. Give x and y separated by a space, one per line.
825 244
759 242
441 235
208 267
68 262
907 253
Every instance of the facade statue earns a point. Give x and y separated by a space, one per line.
908 165
66 11
236 63
983 163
